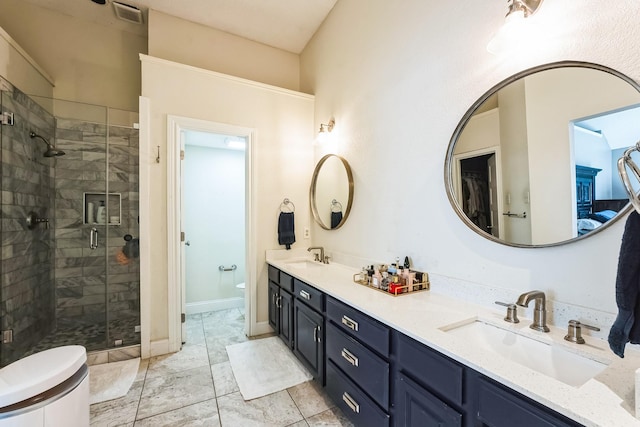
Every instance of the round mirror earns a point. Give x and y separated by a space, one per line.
331 192
533 162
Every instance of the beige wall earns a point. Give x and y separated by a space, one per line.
398 76
88 62
17 66
283 122
193 44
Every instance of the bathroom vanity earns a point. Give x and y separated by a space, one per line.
388 360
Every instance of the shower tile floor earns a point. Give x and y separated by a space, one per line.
196 387
92 337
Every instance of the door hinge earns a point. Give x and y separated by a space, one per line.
182 236
7 336
6 118
181 154
183 317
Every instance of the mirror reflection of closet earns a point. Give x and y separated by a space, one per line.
514 166
331 192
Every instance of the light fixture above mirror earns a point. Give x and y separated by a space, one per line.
327 127
516 31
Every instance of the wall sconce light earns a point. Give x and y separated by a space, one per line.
324 131
514 32
327 127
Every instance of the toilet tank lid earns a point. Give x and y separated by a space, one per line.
39 372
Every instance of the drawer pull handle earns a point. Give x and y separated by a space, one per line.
351 403
306 295
350 323
349 357
316 337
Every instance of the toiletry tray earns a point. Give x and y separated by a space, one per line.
361 279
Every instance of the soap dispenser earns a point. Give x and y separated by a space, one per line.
101 215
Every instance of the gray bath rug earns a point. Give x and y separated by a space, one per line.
265 366
111 380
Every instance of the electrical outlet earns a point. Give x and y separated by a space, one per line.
137 328
307 233
117 343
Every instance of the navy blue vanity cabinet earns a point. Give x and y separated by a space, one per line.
308 330
498 406
428 386
281 304
358 369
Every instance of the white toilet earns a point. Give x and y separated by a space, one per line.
50 388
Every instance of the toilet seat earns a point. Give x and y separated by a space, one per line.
39 372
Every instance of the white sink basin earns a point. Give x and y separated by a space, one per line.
305 264
551 360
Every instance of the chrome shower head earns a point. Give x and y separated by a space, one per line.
51 150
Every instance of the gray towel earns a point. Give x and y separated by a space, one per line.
625 328
286 230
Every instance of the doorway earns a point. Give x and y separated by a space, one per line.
478 186
179 242
214 221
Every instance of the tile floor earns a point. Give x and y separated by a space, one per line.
196 387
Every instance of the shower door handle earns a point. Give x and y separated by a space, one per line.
93 238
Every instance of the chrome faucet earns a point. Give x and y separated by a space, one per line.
539 312
321 257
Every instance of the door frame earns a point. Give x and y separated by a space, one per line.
457 182
175 247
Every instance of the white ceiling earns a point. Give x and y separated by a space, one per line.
285 24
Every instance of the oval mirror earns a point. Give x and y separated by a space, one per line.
331 192
533 162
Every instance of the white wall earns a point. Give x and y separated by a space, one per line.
283 123
214 193
193 44
592 149
398 76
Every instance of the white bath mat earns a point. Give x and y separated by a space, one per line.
265 366
111 380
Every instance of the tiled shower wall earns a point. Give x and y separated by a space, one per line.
27 294
82 273
53 286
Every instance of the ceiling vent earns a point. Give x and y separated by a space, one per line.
127 13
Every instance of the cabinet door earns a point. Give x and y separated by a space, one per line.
499 406
308 339
286 317
274 317
415 406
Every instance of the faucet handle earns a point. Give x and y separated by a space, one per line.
574 331
512 312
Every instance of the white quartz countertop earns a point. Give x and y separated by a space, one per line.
608 399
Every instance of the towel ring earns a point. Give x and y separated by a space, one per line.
623 162
287 204
336 205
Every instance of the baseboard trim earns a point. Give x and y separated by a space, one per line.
214 305
158 348
261 328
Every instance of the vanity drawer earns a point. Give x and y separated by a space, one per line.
274 274
440 374
309 295
286 281
361 410
360 364
360 326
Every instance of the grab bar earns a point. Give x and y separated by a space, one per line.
93 238
223 268
623 162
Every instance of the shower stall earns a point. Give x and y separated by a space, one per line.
69 267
